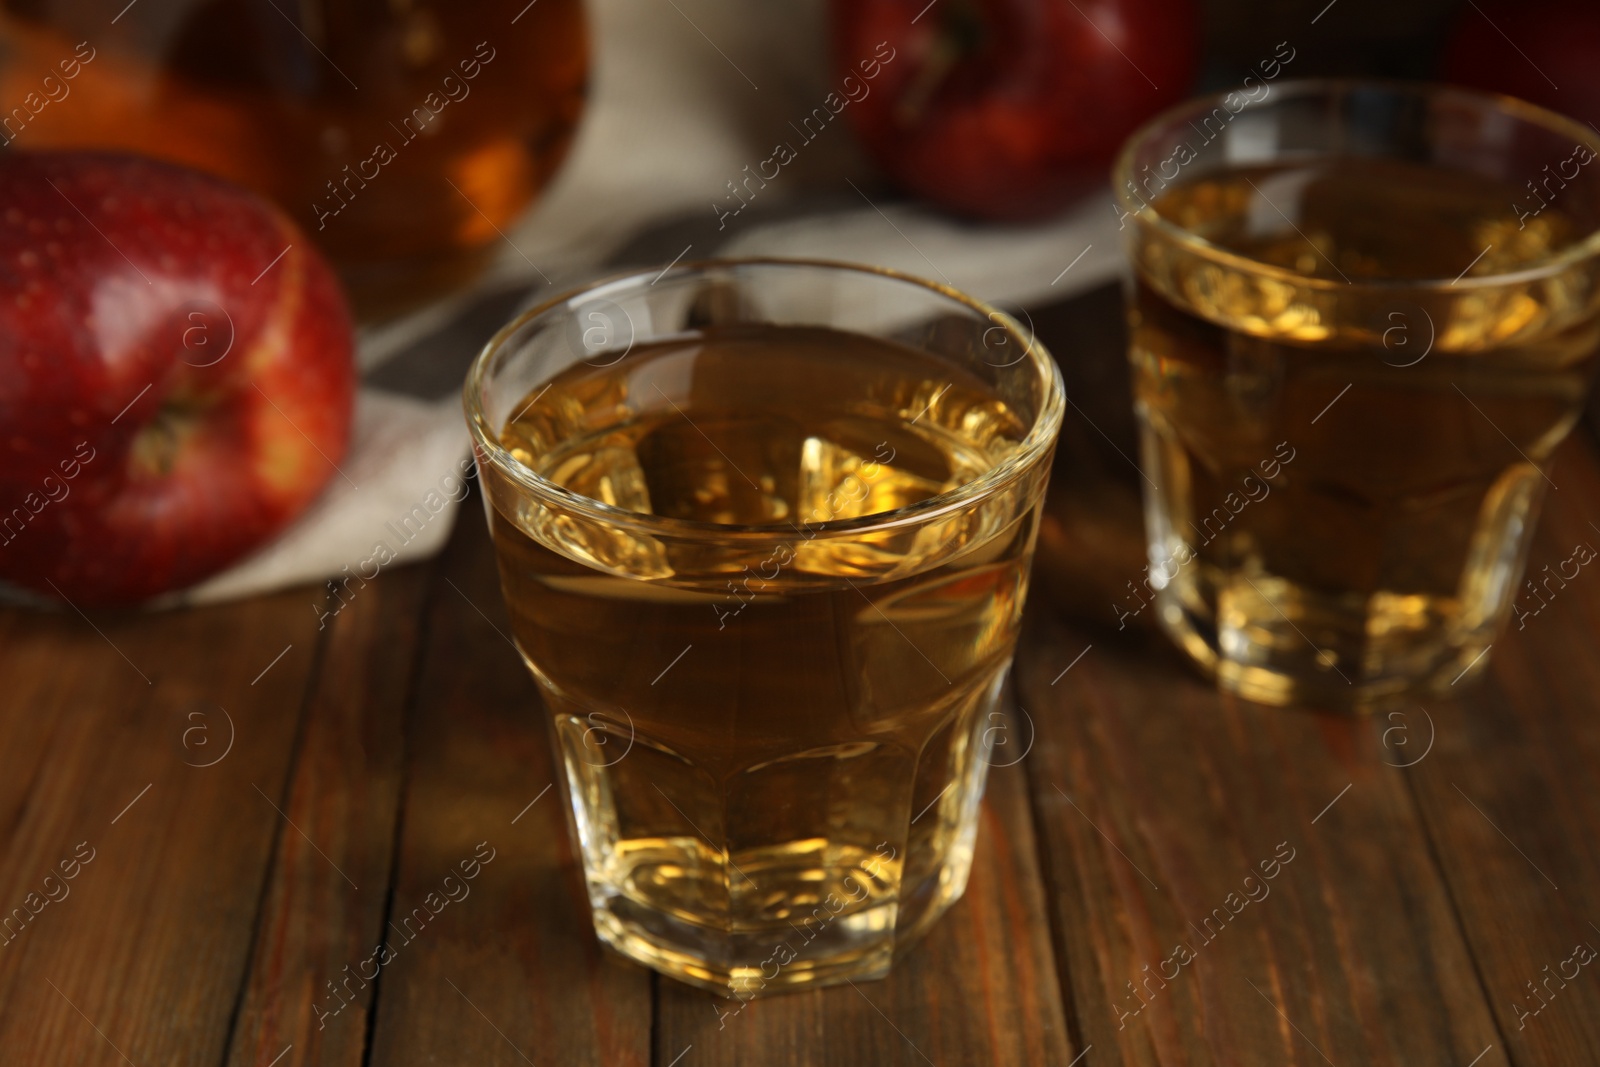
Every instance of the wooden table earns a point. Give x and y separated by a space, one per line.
247 802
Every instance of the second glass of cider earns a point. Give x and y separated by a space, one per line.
1363 316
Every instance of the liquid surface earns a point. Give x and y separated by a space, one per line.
756 426
1358 220
775 745
1347 483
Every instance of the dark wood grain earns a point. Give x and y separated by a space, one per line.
1091 542
1157 800
142 957
511 973
1511 800
980 989
1442 860
307 997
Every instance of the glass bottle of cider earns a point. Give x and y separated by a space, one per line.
399 134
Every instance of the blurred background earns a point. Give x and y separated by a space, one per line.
458 162
411 137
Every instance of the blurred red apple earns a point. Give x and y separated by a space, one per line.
1008 109
1548 57
176 375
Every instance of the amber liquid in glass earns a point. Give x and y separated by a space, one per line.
1346 490
356 116
775 755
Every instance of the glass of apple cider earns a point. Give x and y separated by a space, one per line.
764 531
1362 316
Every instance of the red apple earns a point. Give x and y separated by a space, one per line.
1008 109
176 375
1539 50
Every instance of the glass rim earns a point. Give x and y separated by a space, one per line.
1038 440
1555 122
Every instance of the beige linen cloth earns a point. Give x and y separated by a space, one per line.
685 95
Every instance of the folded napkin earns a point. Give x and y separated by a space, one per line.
393 502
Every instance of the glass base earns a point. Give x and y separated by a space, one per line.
820 909
1272 642
1312 594
838 929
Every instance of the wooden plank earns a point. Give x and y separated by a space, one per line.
312 977
1163 808
1091 542
510 973
159 727
1509 794
980 989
